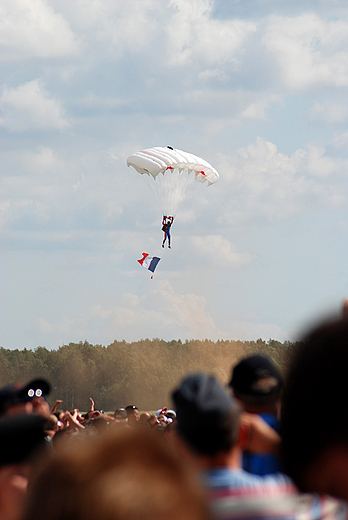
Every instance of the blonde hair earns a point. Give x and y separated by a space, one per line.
126 474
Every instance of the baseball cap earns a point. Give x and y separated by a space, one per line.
171 414
12 395
256 375
120 414
206 413
161 411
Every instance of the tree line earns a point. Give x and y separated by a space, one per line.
142 373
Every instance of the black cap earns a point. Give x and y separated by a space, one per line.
20 437
36 388
256 375
12 395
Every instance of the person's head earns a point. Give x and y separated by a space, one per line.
120 415
31 398
132 413
125 474
315 411
144 417
256 382
152 420
207 417
51 425
92 414
96 425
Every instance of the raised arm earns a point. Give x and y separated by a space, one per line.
259 436
54 407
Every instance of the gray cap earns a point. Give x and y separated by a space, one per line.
204 411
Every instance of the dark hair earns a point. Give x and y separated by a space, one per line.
259 400
216 437
315 414
130 409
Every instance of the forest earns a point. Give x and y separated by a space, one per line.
142 373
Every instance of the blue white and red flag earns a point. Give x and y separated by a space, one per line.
149 262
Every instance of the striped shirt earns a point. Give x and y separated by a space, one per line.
235 494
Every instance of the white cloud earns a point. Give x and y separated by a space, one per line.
195 35
115 27
44 159
330 112
224 109
247 330
32 29
47 185
157 314
257 109
187 309
33 185
309 50
318 163
265 182
340 141
135 316
29 107
217 251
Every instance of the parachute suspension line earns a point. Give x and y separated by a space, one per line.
169 189
182 182
172 175
149 183
195 188
189 187
173 188
165 182
179 186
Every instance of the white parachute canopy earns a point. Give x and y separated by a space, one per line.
173 176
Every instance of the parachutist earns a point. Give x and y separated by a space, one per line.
166 225
173 176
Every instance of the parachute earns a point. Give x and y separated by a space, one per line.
172 175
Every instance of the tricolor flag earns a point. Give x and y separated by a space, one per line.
150 262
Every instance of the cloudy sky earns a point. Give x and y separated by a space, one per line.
258 88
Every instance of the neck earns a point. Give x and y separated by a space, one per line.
231 459
272 409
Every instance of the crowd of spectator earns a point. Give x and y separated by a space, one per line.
262 447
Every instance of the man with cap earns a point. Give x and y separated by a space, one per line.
257 384
208 423
132 414
23 416
27 399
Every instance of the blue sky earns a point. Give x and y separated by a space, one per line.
257 88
